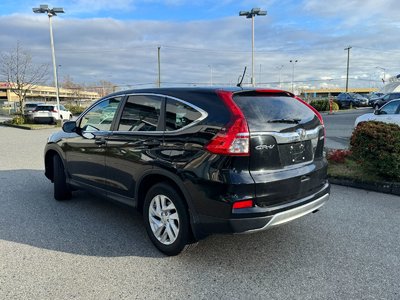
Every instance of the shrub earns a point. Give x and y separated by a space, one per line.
338 156
18 120
323 105
376 147
75 109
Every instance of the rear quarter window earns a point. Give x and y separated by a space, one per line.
264 112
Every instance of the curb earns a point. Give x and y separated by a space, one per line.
375 186
25 127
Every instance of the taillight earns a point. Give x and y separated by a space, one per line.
234 138
243 204
316 112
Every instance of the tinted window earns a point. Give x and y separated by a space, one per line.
141 113
390 108
268 113
179 115
394 96
100 116
44 108
30 105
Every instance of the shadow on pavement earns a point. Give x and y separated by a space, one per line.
84 225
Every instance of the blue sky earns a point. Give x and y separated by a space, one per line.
117 40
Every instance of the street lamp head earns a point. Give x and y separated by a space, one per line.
45 9
38 10
243 13
58 10
255 11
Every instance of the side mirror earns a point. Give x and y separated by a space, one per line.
69 127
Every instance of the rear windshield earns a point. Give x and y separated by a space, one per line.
275 113
44 107
30 105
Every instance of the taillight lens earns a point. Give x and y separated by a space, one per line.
234 138
316 112
243 204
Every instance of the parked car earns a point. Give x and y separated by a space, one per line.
385 99
375 99
48 113
374 95
196 161
345 100
389 113
29 108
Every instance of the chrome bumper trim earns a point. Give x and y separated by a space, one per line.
294 213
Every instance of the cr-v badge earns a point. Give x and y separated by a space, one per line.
265 147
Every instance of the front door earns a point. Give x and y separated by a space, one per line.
86 152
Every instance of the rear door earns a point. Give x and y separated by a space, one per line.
286 145
134 145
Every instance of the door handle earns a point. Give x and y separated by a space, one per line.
100 141
152 143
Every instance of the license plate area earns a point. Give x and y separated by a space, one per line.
296 153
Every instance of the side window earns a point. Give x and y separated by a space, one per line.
390 108
394 96
141 113
100 117
179 115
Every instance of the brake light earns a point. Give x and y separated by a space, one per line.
316 112
243 204
234 138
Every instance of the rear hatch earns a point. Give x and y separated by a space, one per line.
286 147
44 111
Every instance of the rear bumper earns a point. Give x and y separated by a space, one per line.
44 119
292 214
259 219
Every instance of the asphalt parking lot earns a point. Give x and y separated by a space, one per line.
88 248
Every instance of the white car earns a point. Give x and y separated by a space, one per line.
389 113
48 113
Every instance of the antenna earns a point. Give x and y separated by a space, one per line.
241 80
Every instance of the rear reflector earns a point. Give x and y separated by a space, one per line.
243 204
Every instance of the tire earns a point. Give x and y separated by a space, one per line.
70 117
61 188
377 107
166 219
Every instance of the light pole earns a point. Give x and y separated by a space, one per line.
348 66
250 15
211 74
51 12
280 71
293 62
58 80
384 74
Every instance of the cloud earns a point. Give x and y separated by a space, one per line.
125 51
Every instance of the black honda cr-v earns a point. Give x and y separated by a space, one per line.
196 161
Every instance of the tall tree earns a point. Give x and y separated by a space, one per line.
21 74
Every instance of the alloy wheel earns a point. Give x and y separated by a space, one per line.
164 219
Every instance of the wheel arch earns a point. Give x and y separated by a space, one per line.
153 177
48 162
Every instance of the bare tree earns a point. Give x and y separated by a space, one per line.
21 74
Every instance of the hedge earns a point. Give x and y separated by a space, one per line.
323 105
376 147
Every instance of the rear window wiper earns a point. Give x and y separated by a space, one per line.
289 121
